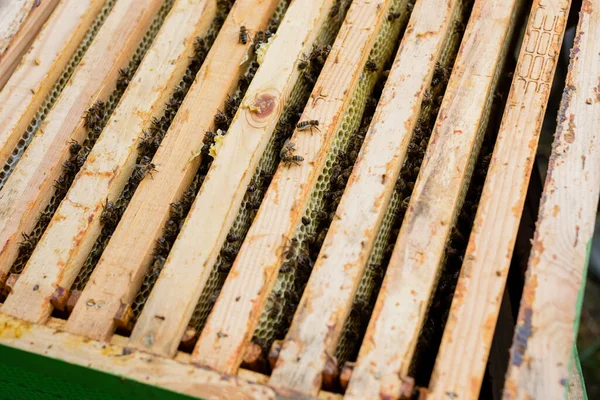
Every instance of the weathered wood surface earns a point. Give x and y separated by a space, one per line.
120 271
30 186
254 272
13 15
202 235
117 360
318 322
12 53
402 304
474 312
29 85
549 312
75 226
383 154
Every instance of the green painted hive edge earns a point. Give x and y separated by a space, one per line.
63 380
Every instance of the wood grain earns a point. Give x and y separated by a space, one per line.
30 186
20 43
76 223
117 360
254 272
194 252
319 319
474 312
350 238
13 15
119 273
551 302
39 69
402 304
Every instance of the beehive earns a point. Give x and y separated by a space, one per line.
292 199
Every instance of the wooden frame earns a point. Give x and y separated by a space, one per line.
255 269
13 46
160 357
109 165
434 203
196 249
31 184
547 325
485 269
130 250
29 85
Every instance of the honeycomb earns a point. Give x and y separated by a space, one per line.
267 167
59 85
148 145
296 268
95 120
369 284
180 209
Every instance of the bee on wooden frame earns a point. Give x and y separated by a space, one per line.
303 63
243 36
309 124
228 252
177 211
233 237
109 216
335 9
171 229
287 154
290 248
74 147
144 168
288 266
162 246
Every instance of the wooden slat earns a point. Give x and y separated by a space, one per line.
547 324
10 58
76 223
253 274
30 186
351 236
119 273
13 15
117 359
31 82
402 304
114 360
474 312
190 261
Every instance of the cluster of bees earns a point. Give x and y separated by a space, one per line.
94 119
147 147
302 250
364 301
54 93
279 149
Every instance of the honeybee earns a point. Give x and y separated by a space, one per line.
290 248
74 147
144 168
109 214
287 154
303 63
309 124
393 15
371 66
243 37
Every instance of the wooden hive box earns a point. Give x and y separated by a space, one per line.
272 199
